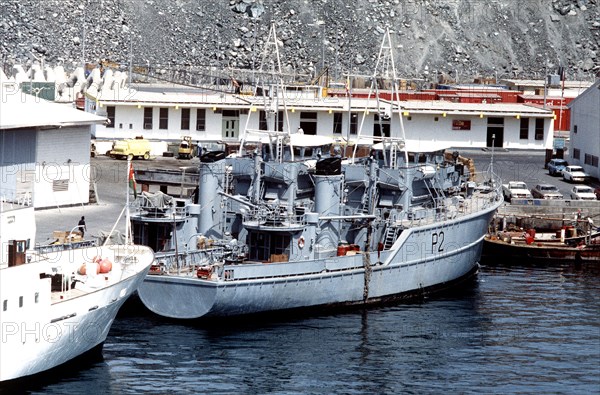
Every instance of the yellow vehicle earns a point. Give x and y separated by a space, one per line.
186 148
131 148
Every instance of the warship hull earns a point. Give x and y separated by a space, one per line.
422 260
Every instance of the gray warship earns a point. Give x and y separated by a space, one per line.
288 222
291 224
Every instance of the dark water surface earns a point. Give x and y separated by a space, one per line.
514 329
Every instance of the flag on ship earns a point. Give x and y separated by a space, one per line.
347 86
132 183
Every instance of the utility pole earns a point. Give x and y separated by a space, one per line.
130 59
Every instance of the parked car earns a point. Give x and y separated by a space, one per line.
582 192
516 190
556 166
574 174
597 192
546 191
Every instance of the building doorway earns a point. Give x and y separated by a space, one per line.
308 122
495 133
231 124
381 126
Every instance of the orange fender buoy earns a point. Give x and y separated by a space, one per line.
105 266
84 268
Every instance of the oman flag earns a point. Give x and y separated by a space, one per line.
132 183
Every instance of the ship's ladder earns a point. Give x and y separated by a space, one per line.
229 183
434 193
393 156
390 236
369 200
364 208
279 151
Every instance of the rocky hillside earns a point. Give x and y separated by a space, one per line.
469 37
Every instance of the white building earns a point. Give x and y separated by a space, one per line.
585 130
559 88
169 114
44 150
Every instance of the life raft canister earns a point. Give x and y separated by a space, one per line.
301 242
204 272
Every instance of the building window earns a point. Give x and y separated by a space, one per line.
110 114
60 185
524 129
337 123
201 119
163 118
280 120
147 118
575 129
381 126
576 153
353 123
591 160
308 122
264 125
539 128
262 121
185 119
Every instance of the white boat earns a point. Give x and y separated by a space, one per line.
57 306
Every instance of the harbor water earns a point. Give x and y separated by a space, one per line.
513 329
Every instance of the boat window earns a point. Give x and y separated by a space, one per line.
37 297
267 244
20 301
5 305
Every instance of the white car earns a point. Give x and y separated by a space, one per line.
516 190
574 174
582 192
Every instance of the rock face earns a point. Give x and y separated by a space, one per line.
506 38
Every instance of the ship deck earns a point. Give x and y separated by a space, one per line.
61 296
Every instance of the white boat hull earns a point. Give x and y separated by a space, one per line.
45 334
415 264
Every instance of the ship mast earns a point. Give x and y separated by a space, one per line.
271 67
385 67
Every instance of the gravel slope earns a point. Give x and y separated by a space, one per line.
491 37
